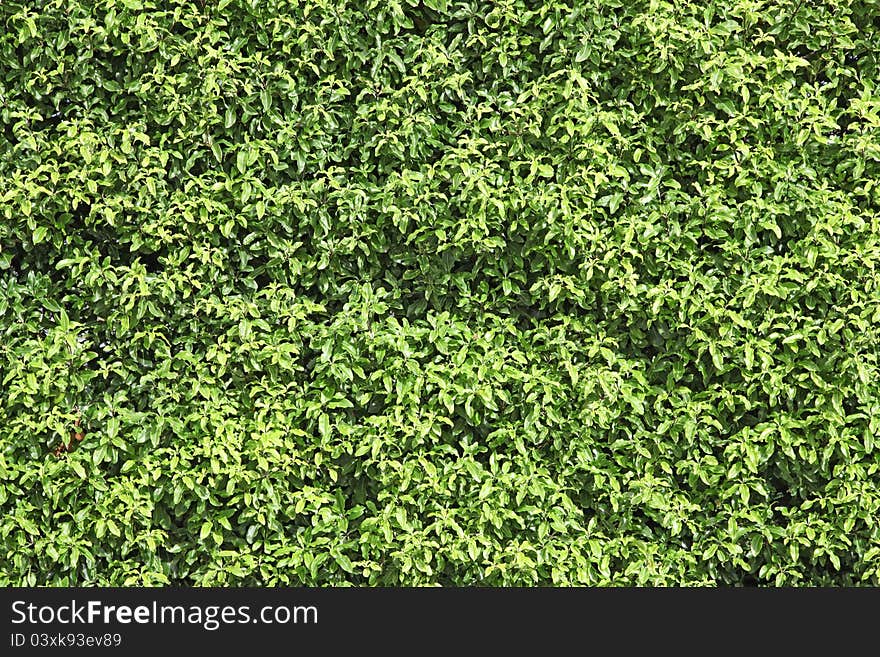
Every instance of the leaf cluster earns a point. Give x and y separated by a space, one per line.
439 292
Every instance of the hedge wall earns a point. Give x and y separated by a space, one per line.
420 292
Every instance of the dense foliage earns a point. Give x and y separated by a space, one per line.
404 292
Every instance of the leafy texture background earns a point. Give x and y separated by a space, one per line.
439 292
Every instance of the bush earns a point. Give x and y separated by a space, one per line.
439 292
